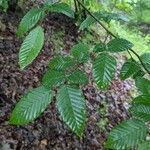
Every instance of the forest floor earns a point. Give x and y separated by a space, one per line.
48 132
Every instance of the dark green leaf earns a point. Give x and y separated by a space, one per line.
142 99
61 63
53 78
141 107
119 45
72 108
143 85
128 69
101 47
127 135
78 77
31 106
80 52
146 60
103 70
140 73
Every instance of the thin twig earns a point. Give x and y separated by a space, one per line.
113 35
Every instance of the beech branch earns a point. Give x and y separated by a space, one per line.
112 34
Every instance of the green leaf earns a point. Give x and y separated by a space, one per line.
31 106
105 16
103 70
80 52
128 69
31 47
88 22
53 78
4 5
30 20
119 45
142 99
141 107
61 63
62 8
101 47
127 135
146 60
143 85
78 77
72 108
139 73
144 146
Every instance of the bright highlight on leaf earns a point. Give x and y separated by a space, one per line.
31 106
104 68
72 108
31 47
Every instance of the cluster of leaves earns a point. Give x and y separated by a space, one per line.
62 76
65 78
34 41
132 133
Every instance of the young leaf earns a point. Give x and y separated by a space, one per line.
103 70
128 69
88 21
53 78
62 8
71 106
78 77
141 107
119 45
143 85
31 106
80 52
106 16
31 47
30 20
127 134
144 145
146 60
61 63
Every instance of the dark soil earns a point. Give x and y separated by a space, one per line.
48 132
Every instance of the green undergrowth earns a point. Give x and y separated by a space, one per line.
141 41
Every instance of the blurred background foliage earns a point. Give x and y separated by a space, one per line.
136 20
134 24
